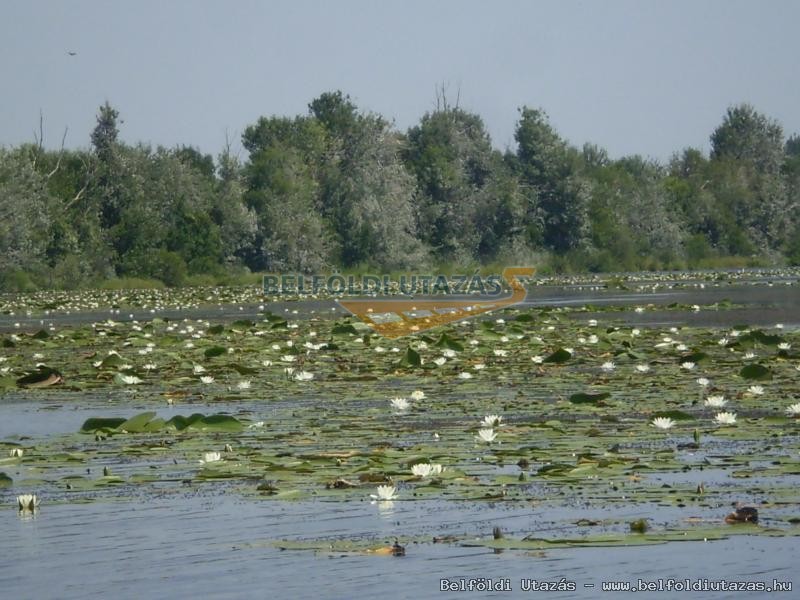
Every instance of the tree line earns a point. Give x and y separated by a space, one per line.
341 188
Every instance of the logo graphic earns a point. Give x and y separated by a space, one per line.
393 317
415 303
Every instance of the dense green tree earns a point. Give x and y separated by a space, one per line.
558 193
451 156
24 222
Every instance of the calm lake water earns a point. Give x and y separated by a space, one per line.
214 546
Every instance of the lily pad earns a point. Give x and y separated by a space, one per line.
589 398
558 357
755 372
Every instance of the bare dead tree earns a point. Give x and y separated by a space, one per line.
60 155
38 139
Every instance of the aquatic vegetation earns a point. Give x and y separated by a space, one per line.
663 423
27 502
725 418
487 435
492 421
715 401
384 493
571 430
400 404
211 457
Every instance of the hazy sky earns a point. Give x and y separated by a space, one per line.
646 77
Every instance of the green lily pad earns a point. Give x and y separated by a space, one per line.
445 341
214 351
589 398
558 357
410 359
755 372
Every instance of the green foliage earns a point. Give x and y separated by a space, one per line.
338 187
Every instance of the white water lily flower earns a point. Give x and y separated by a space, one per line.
592 322
756 390
380 349
130 379
688 365
486 435
750 355
639 309
303 376
465 375
16 452
492 421
704 382
635 332
266 363
385 492
206 379
188 345
500 352
417 395
723 341
479 366
243 385
725 418
400 403
662 423
643 368
793 410
27 502
210 457
608 366
715 401
448 353
439 361
149 366
593 339
696 307
681 347
422 470
197 369
537 360
784 346
288 357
